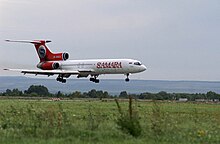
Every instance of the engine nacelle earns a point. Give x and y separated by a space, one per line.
48 65
57 57
65 56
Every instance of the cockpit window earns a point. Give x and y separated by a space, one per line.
137 63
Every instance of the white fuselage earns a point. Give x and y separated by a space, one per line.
104 66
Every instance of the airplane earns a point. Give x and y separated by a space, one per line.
58 64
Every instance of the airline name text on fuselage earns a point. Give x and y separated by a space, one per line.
101 65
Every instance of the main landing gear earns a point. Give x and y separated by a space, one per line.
127 79
61 79
94 79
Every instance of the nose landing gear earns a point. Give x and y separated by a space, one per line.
127 79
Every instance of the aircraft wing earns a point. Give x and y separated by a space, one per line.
44 72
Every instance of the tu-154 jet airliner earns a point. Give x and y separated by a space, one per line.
58 64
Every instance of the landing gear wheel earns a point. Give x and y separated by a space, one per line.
64 81
127 79
60 79
94 79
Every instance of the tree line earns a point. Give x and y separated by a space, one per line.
42 91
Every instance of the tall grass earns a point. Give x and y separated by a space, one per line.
104 122
129 121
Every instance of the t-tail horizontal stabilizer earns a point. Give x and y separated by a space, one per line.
29 41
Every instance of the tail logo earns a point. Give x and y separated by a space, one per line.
42 51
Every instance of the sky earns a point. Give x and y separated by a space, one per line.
175 39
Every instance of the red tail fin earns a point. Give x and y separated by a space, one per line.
44 52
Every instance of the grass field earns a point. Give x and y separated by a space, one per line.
84 121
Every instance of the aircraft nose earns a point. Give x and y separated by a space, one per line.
144 67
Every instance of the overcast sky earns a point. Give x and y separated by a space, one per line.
175 39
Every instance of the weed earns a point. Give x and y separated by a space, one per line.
129 122
157 120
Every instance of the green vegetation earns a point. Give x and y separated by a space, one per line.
102 121
37 90
42 91
129 122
